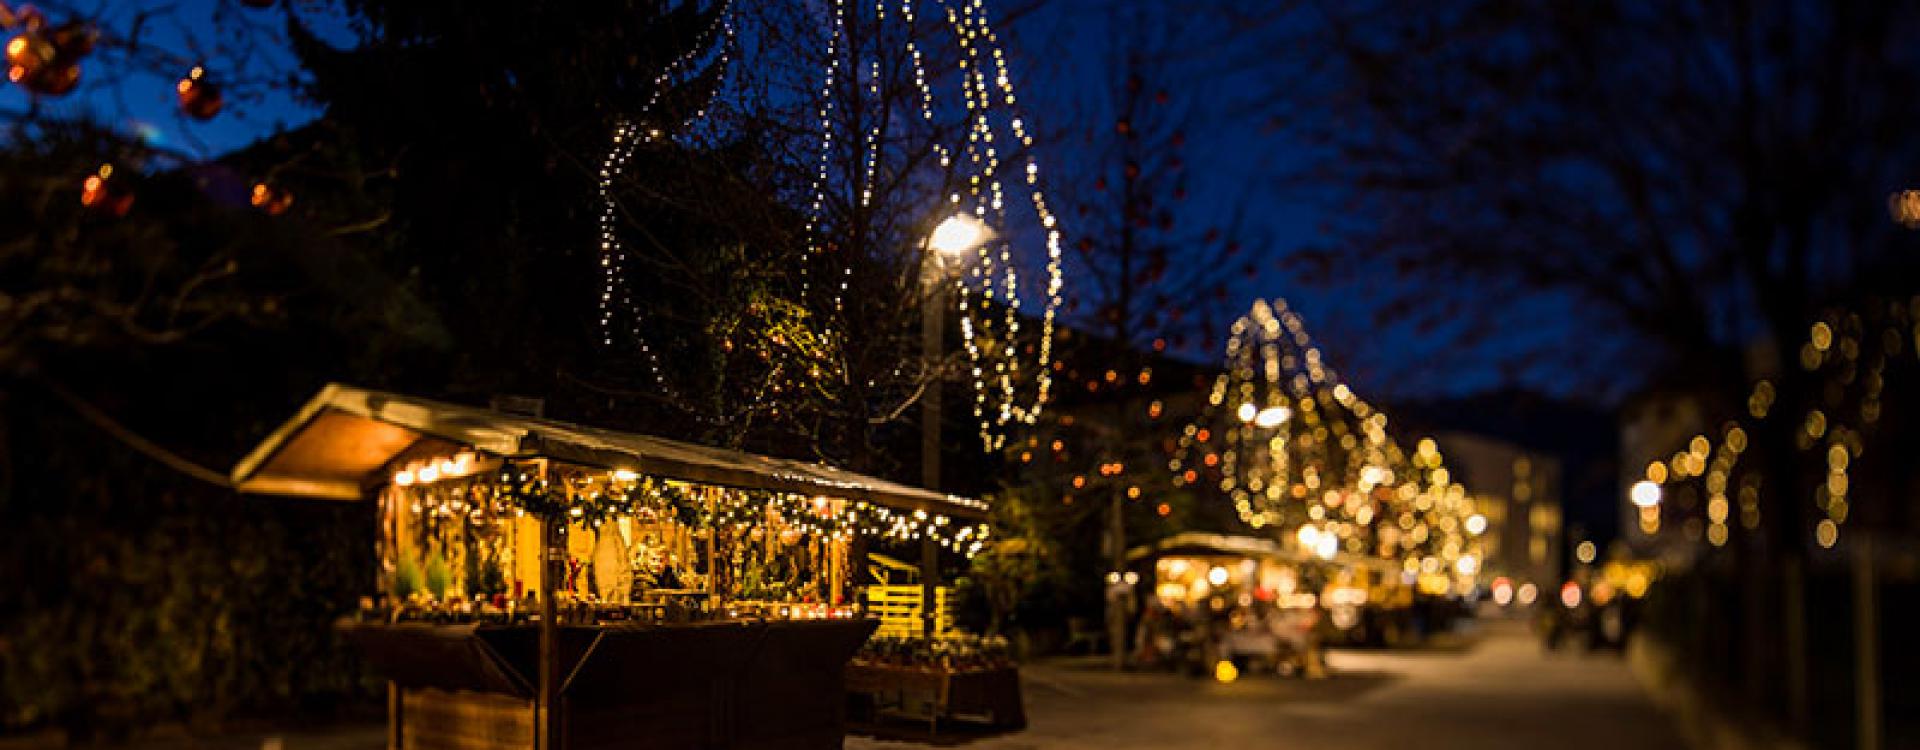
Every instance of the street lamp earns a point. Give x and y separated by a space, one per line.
1645 493
957 234
953 236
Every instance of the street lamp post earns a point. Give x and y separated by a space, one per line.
955 235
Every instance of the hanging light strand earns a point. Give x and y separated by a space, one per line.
628 135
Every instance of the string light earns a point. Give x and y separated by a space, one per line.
1293 447
628 135
595 498
989 297
1852 349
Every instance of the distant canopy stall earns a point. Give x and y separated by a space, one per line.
615 545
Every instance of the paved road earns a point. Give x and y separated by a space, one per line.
1499 692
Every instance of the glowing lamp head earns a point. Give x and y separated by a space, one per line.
1248 411
1645 493
1272 416
1476 524
957 234
1225 671
1217 576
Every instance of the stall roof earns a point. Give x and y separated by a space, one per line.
1200 543
340 444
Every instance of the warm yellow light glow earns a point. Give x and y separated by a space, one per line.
1586 552
1248 412
1225 671
1327 546
1467 565
958 234
1502 592
1476 524
625 475
1570 595
1526 594
403 477
1272 416
1645 493
1217 576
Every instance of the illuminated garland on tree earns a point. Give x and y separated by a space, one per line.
990 291
1296 450
628 135
1851 350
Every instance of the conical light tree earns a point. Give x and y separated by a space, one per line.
1298 453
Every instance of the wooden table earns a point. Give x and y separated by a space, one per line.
738 684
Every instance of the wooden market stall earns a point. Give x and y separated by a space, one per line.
551 585
1220 583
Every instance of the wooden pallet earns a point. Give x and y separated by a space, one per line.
898 607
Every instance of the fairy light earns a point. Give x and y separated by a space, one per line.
628 135
1291 446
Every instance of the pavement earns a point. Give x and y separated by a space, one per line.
1498 689
1494 688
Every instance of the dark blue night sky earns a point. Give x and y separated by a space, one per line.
1236 165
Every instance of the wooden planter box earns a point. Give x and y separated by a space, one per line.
986 698
750 685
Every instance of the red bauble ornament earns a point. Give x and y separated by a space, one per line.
199 97
275 201
103 193
52 80
75 39
46 62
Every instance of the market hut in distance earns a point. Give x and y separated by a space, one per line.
552 585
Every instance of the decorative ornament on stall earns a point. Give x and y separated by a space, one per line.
270 198
106 193
199 98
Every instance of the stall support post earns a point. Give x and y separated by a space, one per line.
1116 596
1866 648
932 324
395 705
929 590
553 556
713 554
